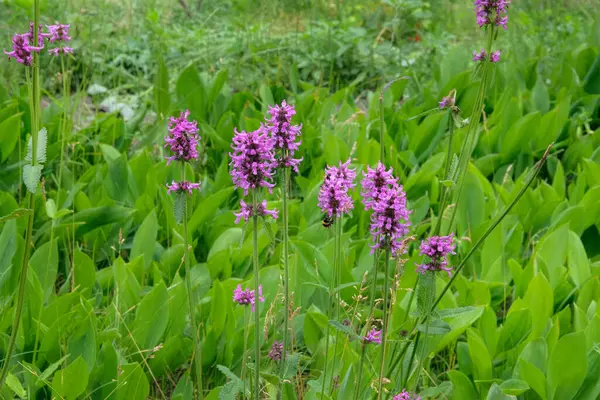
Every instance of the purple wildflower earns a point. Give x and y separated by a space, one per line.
183 138
373 336
182 187
492 12
481 56
276 352
252 160
21 50
389 221
447 102
404 395
495 56
59 33
334 199
65 50
41 36
245 297
376 181
437 248
247 211
284 134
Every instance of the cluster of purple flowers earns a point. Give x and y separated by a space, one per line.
276 352
334 197
373 336
284 134
23 44
492 11
247 211
404 395
253 160
482 56
247 297
437 249
183 142
182 187
447 102
183 138
387 199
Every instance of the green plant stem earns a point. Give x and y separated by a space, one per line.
386 263
367 325
191 303
381 127
286 275
469 141
447 176
246 323
63 128
412 358
257 308
30 200
338 282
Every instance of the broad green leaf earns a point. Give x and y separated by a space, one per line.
84 275
10 132
94 218
567 366
151 317
514 387
162 97
463 388
145 239
209 207
539 297
482 362
516 328
8 248
45 264
496 393
534 378
579 266
41 145
132 383
70 382
218 304
18 213
13 384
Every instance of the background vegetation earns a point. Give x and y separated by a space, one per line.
106 311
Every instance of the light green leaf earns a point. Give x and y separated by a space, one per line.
514 387
515 330
144 241
70 383
10 132
31 176
567 366
13 384
132 383
151 317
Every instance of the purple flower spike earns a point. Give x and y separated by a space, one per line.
252 160
58 50
495 56
481 56
447 101
492 12
247 211
59 33
21 50
247 297
437 249
404 395
334 199
182 187
284 134
183 138
41 36
389 221
376 182
373 336
276 352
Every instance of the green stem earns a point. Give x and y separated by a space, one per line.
286 276
363 352
64 127
447 176
257 308
338 282
386 263
191 303
34 104
469 142
396 360
246 323
412 358
381 127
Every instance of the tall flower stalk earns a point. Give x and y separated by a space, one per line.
252 168
24 53
335 201
183 142
284 135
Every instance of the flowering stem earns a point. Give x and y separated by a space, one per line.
368 324
257 310
245 348
191 303
469 142
338 282
286 277
34 104
384 327
381 127
64 128
447 176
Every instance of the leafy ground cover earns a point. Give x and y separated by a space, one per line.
109 287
